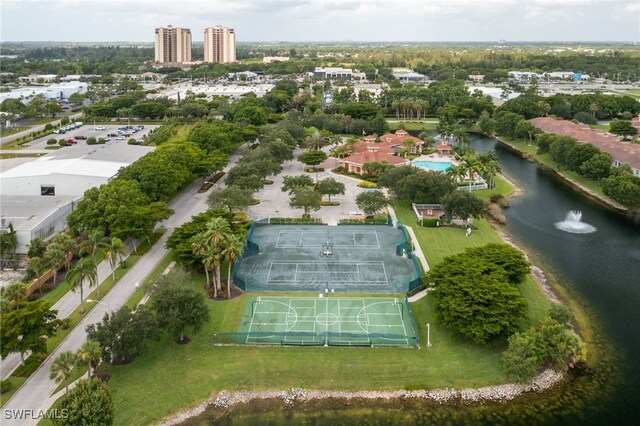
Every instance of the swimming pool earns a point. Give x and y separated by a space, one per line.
439 166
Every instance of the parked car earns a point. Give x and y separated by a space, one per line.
100 128
112 135
121 138
71 142
80 138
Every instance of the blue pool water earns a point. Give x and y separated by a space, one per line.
439 166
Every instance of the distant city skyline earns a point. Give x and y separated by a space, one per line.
324 20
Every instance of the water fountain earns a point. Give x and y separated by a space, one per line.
573 223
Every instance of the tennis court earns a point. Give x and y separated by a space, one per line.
327 321
320 258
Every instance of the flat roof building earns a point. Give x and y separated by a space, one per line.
219 44
172 45
333 73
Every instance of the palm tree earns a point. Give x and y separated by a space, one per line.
215 233
544 107
68 245
456 171
84 268
490 166
314 141
409 145
96 243
54 258
115 251
593 108
16 293
472 166
202 249
61 368
232 250
37 265
91 354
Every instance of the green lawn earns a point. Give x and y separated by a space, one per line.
12 131
604 127
140 390
502 187
548 161
411 125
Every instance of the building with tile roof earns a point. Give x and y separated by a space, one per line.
377 149
621 151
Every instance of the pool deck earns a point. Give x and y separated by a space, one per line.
437 158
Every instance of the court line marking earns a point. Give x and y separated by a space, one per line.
403 327
386 277
323 237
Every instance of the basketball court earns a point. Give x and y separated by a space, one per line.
327 321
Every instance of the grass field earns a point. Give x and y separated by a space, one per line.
413 125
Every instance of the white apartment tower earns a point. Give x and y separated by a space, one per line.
173 45
219 44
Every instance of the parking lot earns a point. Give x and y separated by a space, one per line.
88 130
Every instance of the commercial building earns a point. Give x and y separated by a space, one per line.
37 196
173 45
408 76
334 73
219 44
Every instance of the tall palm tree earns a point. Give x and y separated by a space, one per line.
490 166
115 252
67 244
61 368
83 269
16 293
95 244
232 250
90 353
593 108
214 235
472 166
54 258
202 249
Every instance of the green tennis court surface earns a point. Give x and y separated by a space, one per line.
347 258
325 321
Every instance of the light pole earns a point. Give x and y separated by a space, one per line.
428 335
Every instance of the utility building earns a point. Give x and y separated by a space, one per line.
173 45
219 44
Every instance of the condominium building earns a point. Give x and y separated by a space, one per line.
219 44
173 45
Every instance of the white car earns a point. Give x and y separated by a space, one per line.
121 138
100 128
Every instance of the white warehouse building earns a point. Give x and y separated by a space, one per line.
50 177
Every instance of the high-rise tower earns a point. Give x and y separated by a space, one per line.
219 44
173 45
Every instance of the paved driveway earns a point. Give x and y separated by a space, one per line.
275 203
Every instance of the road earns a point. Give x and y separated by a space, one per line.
34 393
37 128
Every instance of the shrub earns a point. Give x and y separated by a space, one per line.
48 126
52 141
366 184
131 141
62 142
102 141
5 386
430 223
91 140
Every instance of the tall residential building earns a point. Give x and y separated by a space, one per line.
219 44
173 45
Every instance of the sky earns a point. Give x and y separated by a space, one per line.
324 20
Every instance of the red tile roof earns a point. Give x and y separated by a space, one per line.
387 140
622 152
369 157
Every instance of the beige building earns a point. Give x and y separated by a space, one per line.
173 45
219 44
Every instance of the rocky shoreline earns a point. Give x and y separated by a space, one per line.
289 398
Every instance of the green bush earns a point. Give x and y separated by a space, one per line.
430 223
5 386
92 140
366 184
48 126
131 141
52 141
